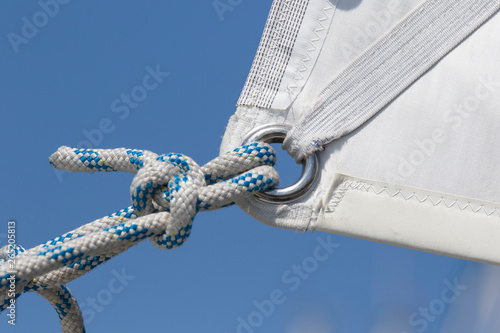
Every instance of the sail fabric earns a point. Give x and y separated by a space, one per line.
385 70
422 173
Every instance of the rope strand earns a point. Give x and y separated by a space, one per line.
167 192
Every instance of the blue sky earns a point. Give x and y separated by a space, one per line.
63 82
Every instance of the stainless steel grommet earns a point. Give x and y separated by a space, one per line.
276 134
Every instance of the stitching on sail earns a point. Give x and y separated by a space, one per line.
269 57
303 67
415 196
273 53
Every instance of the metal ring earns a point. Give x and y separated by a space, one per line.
276 134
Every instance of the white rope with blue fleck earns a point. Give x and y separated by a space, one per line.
167 192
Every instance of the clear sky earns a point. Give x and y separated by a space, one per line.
62 82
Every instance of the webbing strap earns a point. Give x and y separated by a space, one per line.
386 69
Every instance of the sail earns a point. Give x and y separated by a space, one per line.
413 161
173 91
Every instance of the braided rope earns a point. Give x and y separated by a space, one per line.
167 192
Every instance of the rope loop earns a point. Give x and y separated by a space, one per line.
166 193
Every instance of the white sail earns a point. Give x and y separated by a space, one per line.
421 173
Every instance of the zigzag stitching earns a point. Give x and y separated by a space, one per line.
298 73
360 186
337 197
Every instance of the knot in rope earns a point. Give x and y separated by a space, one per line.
166 193
170 182
174 183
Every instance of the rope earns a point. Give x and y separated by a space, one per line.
167 192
